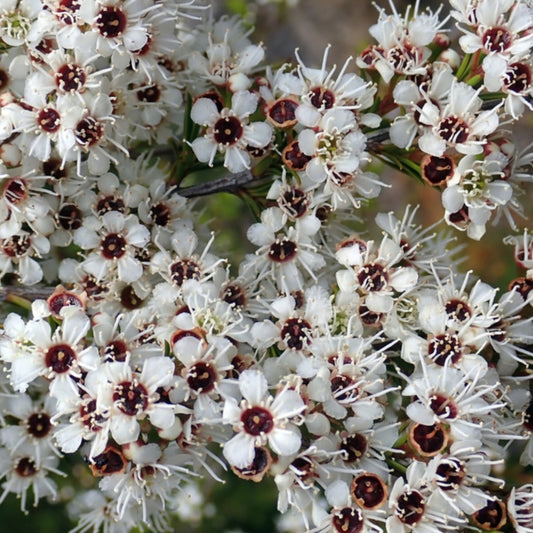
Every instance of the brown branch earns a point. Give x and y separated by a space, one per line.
229 183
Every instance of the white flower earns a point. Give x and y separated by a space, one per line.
445 394
59 356
460 124
113 246
454 477
412 96
413 507
21 471
229 56
480 185
131 396
321 92
261 418
229 131
336 145
519 506
287 256
374 273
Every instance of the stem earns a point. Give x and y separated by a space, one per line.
10 293
463 67
229 183
375 138
234 182
398 467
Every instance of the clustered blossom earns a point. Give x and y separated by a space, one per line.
351 361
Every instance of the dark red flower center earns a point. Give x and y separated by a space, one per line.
296 332
354 446
445 347
294 201
437 170
110 461
373 277
283 112
111 22
343 389
442 406
49 120
517 78
369 491
450 474
149 94
294 158
59 358
492 516
340 179
202 377
410 507
131 397
16 246
53 169
235 295
116 350
39 425
26 467
184 269
90 417
113 246
67 9
282 250
160 214
322 98
70 217
454 130
88 132
228 130
458 310
428 440
15 191
257 421
401 57
497 39
110 203
348 520
57 301
70 77
304 468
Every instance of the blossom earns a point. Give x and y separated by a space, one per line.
22 471
480 186
460 124
113 246
228 131
519 508
261 418
413 507
130 396
335 145
60 356
285 256
374 273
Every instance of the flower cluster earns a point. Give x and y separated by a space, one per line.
346 357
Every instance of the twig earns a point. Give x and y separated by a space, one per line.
226 184
9 293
